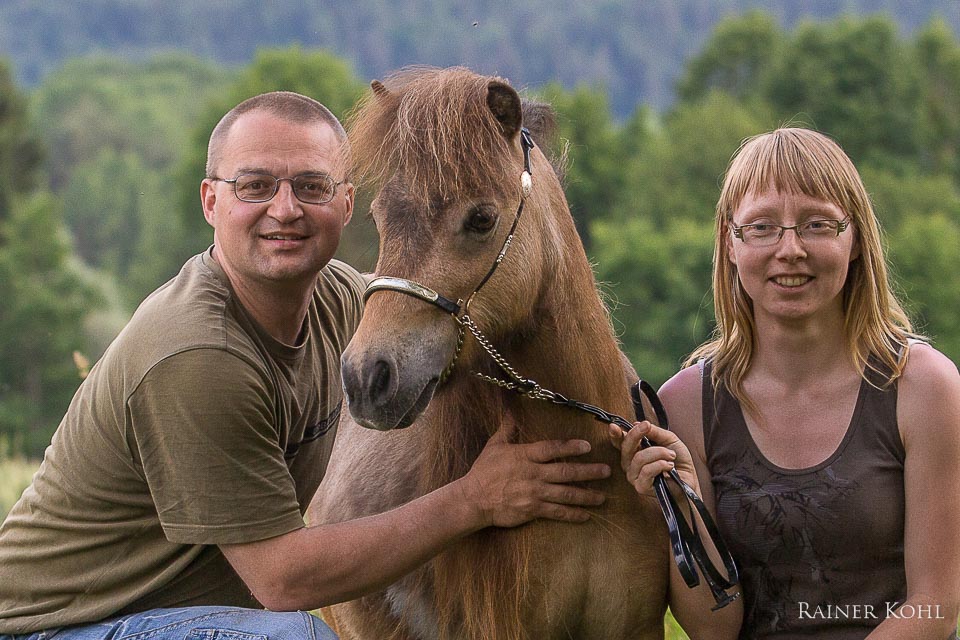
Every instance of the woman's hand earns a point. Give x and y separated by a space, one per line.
643 465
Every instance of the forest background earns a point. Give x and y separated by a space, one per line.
105 107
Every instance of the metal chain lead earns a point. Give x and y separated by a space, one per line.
518 383
456 354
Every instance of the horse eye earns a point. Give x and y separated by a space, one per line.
481 219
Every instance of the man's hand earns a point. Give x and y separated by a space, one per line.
510 484
643 465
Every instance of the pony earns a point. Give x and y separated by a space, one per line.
443 147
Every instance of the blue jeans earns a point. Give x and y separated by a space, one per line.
194 623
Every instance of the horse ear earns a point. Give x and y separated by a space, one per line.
378 89
504 102
541 120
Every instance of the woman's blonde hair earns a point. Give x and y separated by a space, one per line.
798 160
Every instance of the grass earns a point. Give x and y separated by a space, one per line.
15 474
673 630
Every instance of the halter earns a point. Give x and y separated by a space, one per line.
458 310
685 541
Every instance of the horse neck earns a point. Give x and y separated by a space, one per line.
574 322
572 350
567 343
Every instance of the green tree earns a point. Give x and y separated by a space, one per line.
938 57
118 129
654 247
658 279
854 79
596 151
144 108
678 175
920 213
104 213
20 153
45 302
737 59
924 254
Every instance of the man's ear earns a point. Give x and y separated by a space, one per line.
208 198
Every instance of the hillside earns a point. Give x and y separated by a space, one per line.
634 49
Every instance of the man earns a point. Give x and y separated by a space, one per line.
170 502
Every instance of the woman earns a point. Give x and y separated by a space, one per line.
823 434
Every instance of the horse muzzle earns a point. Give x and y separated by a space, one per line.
389 380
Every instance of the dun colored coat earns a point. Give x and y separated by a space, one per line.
443 147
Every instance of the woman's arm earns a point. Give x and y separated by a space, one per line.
683 447
928 414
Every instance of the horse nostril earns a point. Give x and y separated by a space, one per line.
380 383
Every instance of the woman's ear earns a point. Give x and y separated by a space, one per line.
855 249
728 243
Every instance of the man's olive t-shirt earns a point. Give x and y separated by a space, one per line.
195 429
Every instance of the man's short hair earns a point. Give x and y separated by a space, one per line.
287 105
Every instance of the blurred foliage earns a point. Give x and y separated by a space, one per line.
889 102
127 145
854 79
595 150
115 131
15 474
111 210
45 300
739 53
20 153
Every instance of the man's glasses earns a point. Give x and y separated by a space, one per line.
763 234
309 188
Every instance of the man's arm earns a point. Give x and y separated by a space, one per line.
508 485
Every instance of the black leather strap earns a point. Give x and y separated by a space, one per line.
685 540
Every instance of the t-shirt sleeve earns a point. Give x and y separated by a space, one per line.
353 284
203 427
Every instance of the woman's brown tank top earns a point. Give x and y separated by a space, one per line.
820 550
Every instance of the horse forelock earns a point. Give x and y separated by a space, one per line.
434 129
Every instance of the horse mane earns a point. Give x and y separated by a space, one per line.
436 127
480 586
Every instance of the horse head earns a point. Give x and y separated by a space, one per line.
444 148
